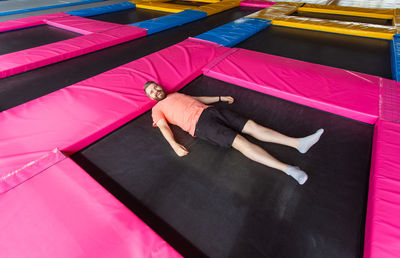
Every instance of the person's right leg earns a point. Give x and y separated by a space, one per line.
259 155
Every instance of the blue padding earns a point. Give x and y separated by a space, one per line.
235 32
396 57
102 9
170 21
48 7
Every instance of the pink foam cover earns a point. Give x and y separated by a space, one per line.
338 91
97 35
382 231
25 60
256 3
62 212
81 25
74 117
29 21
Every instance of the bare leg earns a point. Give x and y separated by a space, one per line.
268 135
259 155
256 153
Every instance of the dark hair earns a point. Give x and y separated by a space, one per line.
147 84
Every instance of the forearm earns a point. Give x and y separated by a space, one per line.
208 100
169 136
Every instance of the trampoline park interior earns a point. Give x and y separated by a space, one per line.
84 174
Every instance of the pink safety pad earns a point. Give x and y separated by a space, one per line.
346 93
28 59
81 25
256 3
76 116
62 212
29 21
382 231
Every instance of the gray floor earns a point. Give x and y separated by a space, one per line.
24 4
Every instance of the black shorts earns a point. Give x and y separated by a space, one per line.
219 126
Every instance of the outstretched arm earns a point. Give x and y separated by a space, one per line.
210 100
179 149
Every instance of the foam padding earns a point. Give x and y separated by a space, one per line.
78 115
28 59
29 21
352 11
169 21
395 51
206 1
234 32
102 9
211 9
340 27
159 6
256 3
63 212
396 20
81 25
276 10
48 7
382 230
326 88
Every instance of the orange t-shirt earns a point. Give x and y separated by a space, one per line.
179 109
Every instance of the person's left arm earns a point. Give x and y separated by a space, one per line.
214 99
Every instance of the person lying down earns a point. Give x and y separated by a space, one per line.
221 127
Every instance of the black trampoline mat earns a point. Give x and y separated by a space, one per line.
12 41
20 88
339 17
129 16
217 203
365 55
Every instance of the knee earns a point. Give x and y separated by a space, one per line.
240 143
249 126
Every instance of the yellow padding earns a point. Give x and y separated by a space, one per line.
276 10
158 6
211 9
396 20
351 11
349 28
206 1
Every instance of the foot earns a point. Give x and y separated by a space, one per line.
307 142
298 174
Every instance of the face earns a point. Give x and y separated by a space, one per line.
155 91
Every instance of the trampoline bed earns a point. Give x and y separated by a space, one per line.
229 206
32 37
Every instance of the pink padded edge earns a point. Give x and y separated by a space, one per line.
382 231
74 216
256 3
81 25
29 21
32 58
74 117
338 91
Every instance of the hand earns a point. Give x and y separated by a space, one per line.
228 99
180 150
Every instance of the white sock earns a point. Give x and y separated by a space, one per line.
307 142
298 174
